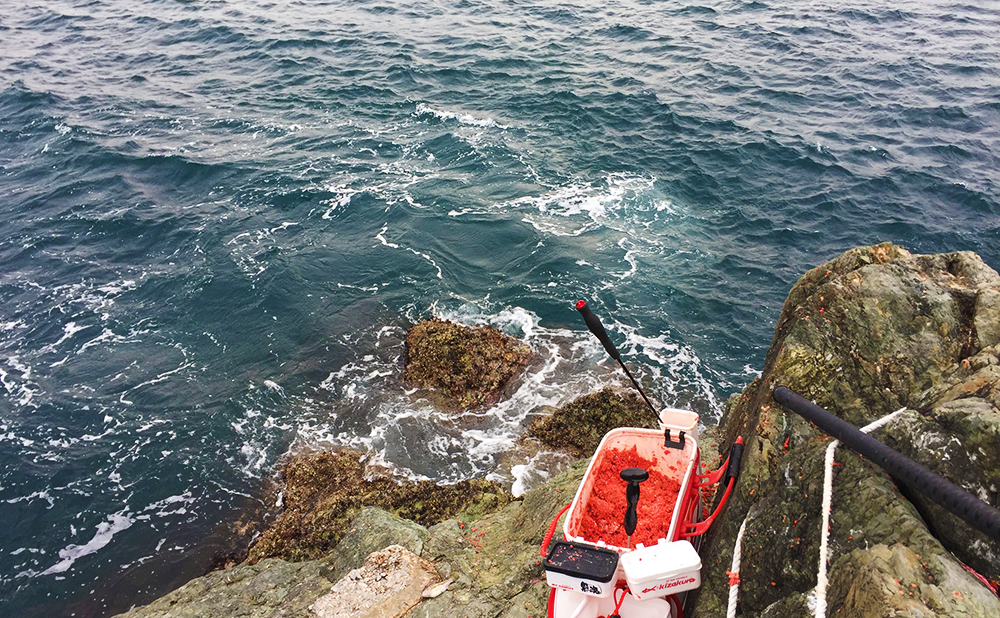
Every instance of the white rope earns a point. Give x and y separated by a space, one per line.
824 537
885 420
824 542
734 587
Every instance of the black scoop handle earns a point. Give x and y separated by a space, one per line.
595 326
950 496
634 476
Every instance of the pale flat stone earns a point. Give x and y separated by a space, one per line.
390 583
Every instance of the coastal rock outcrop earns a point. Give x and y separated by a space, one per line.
468 366
873 331
390 583
492 561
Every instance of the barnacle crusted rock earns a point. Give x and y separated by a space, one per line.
470 366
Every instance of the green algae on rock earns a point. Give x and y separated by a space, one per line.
325 491
470 366
580 424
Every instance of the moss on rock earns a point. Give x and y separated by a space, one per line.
471 366
325 491
580 424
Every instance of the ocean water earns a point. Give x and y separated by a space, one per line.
218 218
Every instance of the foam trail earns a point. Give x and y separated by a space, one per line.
106 530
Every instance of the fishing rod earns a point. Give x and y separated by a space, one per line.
959 502
595 326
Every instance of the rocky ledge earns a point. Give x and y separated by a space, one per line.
874 331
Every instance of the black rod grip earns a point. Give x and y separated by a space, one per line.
595 326
948 495
735 462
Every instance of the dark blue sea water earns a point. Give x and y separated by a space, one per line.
218 217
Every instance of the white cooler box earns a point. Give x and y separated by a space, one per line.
661 570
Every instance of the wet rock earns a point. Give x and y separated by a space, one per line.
469 366
896 581
872 331
325 491
579 425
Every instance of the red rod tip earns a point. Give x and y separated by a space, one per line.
580 304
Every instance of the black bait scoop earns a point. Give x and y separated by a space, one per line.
633 476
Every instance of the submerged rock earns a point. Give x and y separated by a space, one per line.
864 335
469 366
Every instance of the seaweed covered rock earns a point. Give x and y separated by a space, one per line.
874 330
491 560
469 366
325 491
580 424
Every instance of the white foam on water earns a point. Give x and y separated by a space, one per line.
535 471
22 390
627 210
250 250
382 239
106 530
464 118
8 326
676 371
172 505
603 201
69 329
342 197
456 445
43 495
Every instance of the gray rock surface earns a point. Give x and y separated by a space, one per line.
271 588
374 529
870 332
389 583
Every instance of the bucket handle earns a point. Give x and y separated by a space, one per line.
552 530
727 473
